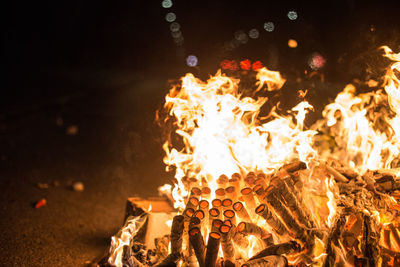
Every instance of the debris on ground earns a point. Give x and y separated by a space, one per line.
78 186
42 202
72 130
42 185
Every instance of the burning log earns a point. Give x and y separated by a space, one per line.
213 215
216 224
226 242
299 210
230 215
271 219
212 249
235 180
294 166
247 194
222 180
337 175
176 242
261 180
279 249
206 192
259 192
216 203
220 193
333 237
267 261
386 238
196 192
280 209
248 228
192 203
250 179
231 192
371 252
395 234
241 211
197 241
227 204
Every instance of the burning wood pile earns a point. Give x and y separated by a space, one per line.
273 194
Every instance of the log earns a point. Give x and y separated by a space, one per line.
176 242
230 215
278 249
294 166
280 209
192 203
230 192
247 194
267 261
241 211
197 241
216 224
216 203
227 204
212 249
220 193
263 211
259 192
226 242
248 228
395 234
196 192
333 237
176 234
222 181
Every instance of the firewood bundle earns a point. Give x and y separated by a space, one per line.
272 215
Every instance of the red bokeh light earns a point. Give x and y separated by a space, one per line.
245 64
257 65
229 65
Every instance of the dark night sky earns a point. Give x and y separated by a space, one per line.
43 35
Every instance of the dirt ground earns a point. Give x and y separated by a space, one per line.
96 127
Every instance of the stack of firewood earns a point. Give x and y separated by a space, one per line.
272 209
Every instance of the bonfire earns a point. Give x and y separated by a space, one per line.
254 190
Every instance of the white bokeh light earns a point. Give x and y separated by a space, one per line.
269 26
170 17
254 33
174 27
292 15
166 3
192 61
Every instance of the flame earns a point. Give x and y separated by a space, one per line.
124 238
331 203
223 134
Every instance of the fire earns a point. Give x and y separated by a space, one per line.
232 160
223 133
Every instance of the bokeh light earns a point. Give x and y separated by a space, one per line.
179 41
292 43
245 64
170 17
166 3
192 61
269 26
257 65
176 34
241 36
174 27
229 65
292 15
254 33
316 61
